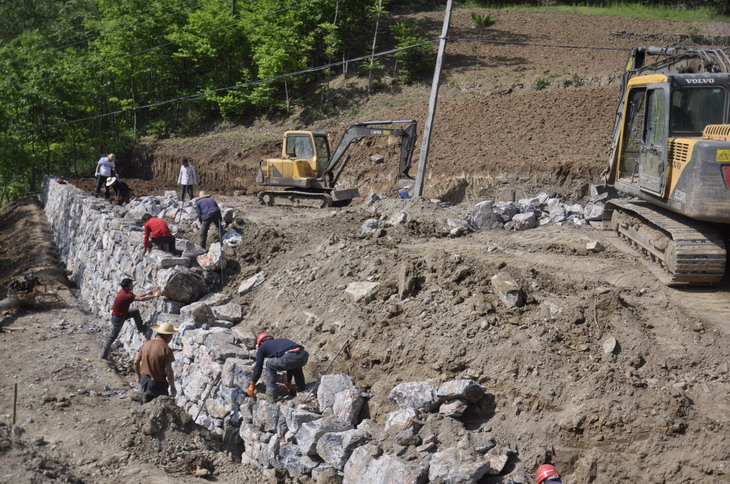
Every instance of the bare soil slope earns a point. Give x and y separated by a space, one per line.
494 128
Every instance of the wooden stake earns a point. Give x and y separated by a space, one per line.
15 402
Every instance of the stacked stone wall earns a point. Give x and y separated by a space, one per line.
424 439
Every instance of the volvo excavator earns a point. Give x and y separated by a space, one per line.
307 173
671 151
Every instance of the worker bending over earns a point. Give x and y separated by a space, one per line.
283 355
153 365
157 232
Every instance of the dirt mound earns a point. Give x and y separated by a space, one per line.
25 232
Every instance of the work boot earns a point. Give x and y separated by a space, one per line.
290 388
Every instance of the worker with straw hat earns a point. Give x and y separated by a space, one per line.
153 365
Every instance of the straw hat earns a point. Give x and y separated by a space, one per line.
110 181
202 194
165 328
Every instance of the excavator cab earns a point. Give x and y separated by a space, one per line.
671 150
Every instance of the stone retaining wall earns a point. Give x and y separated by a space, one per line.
101 244
424 439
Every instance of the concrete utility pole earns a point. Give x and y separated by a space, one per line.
418 187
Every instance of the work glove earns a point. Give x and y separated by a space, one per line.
251 390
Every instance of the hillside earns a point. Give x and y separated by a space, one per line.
494 130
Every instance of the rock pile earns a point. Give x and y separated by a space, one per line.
523 214
423 439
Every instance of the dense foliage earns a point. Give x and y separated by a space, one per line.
81 78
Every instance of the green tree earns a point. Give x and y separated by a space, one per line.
415 61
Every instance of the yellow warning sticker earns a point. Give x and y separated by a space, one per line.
723 155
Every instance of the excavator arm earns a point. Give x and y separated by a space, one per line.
358 131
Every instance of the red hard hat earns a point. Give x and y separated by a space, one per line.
545 471
261 337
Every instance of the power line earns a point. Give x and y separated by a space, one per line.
106 26
201 94
534 44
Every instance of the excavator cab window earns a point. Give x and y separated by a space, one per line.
299 146
693 108
323 153
633 135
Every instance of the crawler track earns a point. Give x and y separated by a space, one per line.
687 252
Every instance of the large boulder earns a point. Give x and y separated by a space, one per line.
228 312
310 432
400 418
291 458
505 210
415 394
347 405
367 465
330 386
181 284
484 218
296 417
199 313
336 447
508 290
457 466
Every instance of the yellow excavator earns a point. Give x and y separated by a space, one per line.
671 150
306 174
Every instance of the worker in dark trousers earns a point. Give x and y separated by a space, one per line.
208 213
153 365
121 313
122 192
283 355
157 232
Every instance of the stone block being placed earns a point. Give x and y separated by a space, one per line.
347 405
415 394
265 416
508 291
295 417
310 432
461 389
181 284
237 371
335 448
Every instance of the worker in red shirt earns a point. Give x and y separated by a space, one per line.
157 232
121 312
